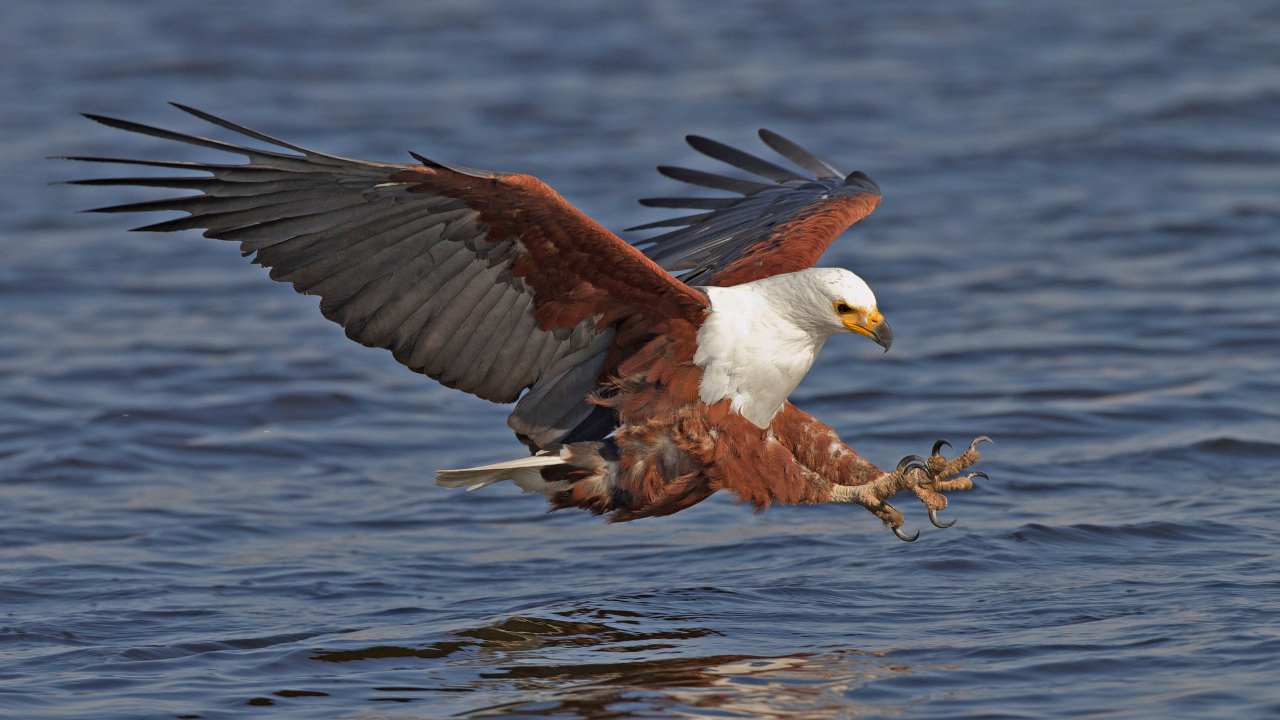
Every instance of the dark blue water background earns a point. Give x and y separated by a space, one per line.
214 505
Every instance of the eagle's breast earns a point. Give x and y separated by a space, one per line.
751 354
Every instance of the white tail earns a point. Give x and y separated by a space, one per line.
525 472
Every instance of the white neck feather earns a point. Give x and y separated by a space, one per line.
759 342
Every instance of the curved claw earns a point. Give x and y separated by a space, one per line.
981 439
911 462
979 474
937 445
933 518
905 537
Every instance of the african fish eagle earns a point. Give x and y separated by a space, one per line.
645 377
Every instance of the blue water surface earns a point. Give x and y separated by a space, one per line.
213 505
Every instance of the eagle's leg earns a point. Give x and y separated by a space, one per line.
927 478
943 475
873 495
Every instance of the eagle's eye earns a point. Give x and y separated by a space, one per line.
843 308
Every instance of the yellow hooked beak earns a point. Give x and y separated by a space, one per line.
869 324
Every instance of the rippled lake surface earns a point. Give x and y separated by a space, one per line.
213 505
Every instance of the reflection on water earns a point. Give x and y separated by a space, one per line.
800 686
528 634
517 651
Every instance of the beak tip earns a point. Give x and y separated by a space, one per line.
884 336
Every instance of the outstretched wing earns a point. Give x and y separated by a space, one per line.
488 282
779 224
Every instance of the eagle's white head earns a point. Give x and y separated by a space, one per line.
761 337
826 301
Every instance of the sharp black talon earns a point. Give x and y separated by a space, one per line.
933 518
937 445
911 461
978 474
905 537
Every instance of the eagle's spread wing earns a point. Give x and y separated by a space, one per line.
778 225
488 282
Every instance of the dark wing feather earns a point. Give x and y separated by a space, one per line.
798 155
711 180
489 282
689 203
741 160
772 228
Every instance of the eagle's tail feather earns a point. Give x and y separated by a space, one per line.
525 472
